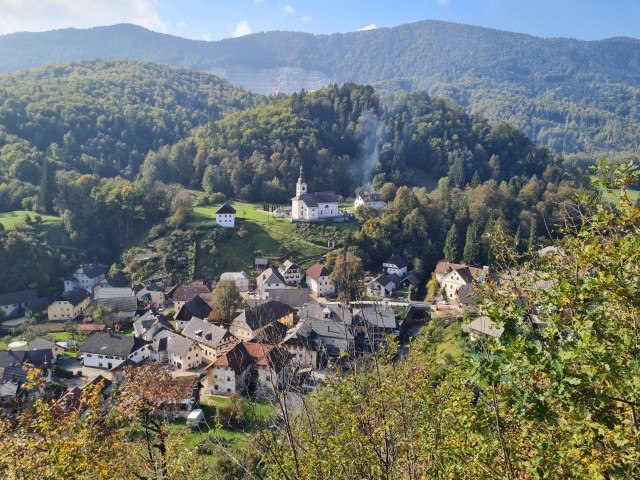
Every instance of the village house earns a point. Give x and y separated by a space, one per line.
86 276
292 273
70 305
383 285
482 328
108 350
115 293
183 293
42 344
318 281
326 329
16 390
369 200
226 216
196 307
307 207
15 304
396 264
268 280
241 279
180 352
281 212
455 279
150 324
212 339
248 369
151 296
372 324
246 325
294 297
443 268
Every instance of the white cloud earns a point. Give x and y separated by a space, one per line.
181 24
443 2
242 28
306 18
373 26
40 15
287 9
205 37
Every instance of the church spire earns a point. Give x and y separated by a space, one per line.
301 186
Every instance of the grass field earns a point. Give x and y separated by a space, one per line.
18 217
226 436
255 231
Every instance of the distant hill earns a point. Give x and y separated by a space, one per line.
570 95
101 117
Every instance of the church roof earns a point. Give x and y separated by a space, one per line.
312 199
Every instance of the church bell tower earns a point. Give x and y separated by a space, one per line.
301 186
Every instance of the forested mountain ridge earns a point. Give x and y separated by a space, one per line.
100 117
570 95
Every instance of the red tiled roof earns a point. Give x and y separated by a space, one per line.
88 327
316 271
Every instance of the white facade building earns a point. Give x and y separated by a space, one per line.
226 216
312 207
370 200
318 281
108 350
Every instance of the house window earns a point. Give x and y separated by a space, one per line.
228 379
215 387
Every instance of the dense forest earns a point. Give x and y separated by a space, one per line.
572 96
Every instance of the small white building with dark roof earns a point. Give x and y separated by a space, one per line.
226 216
396 264
270 279
86 276
370 200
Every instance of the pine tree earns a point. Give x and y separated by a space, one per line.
451 245
471 251
47 187
533 236
517 240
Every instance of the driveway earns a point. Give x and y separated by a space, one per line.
87 373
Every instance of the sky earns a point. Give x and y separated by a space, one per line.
218 19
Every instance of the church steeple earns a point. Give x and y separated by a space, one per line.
301 186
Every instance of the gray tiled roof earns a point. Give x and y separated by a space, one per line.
173 343
18 297
75 296
92 270
111 344
204 332
397 260
264 314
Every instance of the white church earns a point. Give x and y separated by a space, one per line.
312 207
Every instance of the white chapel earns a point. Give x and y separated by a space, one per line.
312 207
